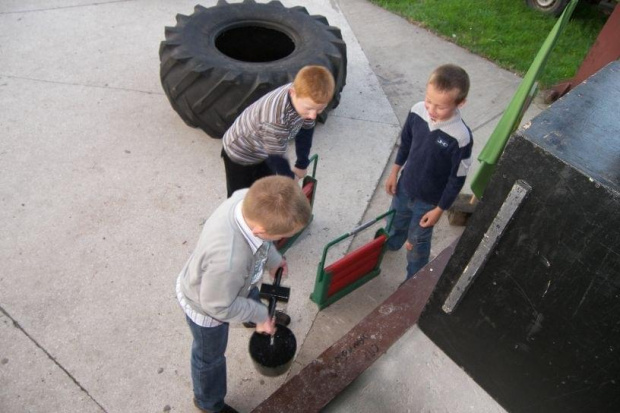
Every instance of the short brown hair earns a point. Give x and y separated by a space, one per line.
449 77
315 82
278 204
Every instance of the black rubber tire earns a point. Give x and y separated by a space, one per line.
552 7
221 59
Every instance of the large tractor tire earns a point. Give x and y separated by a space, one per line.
221 59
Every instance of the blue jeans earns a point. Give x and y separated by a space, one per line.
405 227
209 364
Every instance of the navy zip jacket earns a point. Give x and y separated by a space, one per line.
437 156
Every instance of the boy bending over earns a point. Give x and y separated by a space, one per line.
256 143
217 286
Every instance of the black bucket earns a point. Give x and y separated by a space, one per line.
273 356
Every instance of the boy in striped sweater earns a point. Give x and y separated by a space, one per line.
256 143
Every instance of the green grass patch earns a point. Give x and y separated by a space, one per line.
506 32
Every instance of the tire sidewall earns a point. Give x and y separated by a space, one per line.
556 8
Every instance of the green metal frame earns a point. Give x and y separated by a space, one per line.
314 159
324 278
508 123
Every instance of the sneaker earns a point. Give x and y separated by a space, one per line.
282 319
225 409
228 409
389 247
249 324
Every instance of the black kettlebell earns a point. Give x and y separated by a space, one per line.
273 354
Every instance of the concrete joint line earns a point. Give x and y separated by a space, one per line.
80 84
483 124
20 328
66 7
366 120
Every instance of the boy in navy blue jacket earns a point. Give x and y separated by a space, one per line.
435 150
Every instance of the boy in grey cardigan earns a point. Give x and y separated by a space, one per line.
215 284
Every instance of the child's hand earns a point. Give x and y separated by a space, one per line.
431 217
268 327
299 173
284 265
390 184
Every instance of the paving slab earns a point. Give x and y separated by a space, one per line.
19 353
442 387
103 190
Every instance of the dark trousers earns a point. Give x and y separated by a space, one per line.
243 176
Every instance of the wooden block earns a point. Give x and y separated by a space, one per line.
457 218
461 209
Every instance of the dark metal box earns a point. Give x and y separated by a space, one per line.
539 326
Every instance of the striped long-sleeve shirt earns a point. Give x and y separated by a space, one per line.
263 130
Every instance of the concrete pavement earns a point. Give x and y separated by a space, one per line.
103 190
414 376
